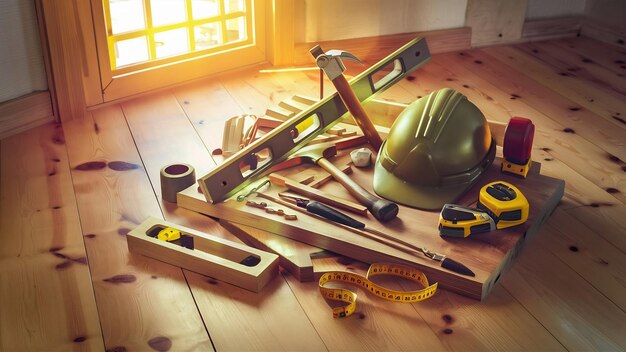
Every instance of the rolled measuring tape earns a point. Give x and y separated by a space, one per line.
175 178
349 297
517 146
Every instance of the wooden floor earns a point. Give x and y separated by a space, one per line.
70 194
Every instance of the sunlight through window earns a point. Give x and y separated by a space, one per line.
145 31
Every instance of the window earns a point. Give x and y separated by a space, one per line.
148 44
141 45
143 32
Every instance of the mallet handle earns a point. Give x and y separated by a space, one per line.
382 209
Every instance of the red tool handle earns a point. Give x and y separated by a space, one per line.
518 140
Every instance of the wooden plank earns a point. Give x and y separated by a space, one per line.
357 333
581 247
418 227
583 68
607 56
207 105
163 110
497 323
210 95
578 315
141 302
315 194
559 152
606 220
604 32
494 21
45 285
592 98
294 256
24 113
551 28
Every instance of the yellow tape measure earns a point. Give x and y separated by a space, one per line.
347 296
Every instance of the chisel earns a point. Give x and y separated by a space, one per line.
336 216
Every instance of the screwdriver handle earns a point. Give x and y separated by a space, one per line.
333 215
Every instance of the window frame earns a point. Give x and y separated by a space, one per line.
73 58
135 79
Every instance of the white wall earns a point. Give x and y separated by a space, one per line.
538 9
22 69
342 19
611 12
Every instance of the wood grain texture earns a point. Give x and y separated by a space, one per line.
45 285
564 292
141 301
210 95
163 110
25 113
496 253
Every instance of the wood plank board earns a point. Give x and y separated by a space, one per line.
210 95
45 284
488 256
142 302
264 322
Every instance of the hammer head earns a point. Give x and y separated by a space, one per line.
330 61
315 152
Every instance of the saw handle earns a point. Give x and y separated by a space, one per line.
382 209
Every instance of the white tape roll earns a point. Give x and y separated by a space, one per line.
175 178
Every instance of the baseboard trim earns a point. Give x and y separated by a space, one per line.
26 112
603 32
376 48
551 28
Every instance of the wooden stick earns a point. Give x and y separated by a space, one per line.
318 195
319 180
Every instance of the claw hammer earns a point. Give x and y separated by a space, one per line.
331 63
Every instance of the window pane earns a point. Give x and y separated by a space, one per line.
208 35
236 29
205 8
131 51
126 15
168 12
233 6
171 43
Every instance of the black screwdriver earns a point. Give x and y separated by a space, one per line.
336 216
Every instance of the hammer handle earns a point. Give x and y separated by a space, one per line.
382 209
356 109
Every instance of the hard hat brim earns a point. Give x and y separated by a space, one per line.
390 187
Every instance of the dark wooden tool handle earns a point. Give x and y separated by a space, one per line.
356 109
382 209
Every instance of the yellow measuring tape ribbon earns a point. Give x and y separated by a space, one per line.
347 296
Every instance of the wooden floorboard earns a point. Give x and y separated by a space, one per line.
47 301
68 282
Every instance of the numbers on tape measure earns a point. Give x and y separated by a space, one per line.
349 297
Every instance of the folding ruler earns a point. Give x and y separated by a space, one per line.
250 162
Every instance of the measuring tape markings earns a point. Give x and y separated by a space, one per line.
347 296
